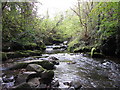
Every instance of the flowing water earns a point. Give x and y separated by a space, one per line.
92 73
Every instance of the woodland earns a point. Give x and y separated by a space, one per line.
86 25
87 36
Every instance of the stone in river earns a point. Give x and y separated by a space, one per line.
35 67
76 84
47 77
22 86
53 58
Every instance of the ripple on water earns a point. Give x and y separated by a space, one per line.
91 72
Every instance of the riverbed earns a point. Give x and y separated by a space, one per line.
90 72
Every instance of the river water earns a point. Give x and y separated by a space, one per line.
91 73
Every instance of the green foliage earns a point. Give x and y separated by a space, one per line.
89 24
92 51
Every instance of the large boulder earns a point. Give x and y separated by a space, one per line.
22 86
55 62
35 67
76 84
47 77
45 64
18 66
53 58
23 77
47 74
34 82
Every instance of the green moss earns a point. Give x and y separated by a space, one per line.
71 45
92 51
47 65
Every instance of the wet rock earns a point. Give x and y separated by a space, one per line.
18 66
7 79
22 86
23 77
34 75
53 58
42 86
76 84
73 85
35 67
47 76
55 83
67 83
34 82
72 88
45 64
55 62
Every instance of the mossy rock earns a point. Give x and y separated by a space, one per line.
45 64
35 67
47 77
22 86
49 74
18 66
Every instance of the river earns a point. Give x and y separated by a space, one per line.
91 72
97 73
